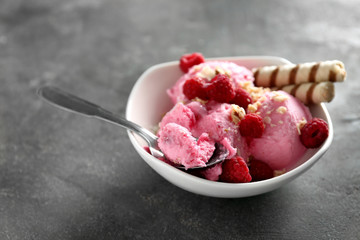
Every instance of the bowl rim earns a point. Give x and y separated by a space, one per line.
291 174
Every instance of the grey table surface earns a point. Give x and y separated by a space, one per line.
63 176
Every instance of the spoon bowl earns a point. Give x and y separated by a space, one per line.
148 102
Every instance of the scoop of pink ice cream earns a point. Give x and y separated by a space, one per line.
181 115
207 71
280 145
179 146
212 118
210 123
216 121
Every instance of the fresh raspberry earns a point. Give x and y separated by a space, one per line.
220 89
314 133
252 126
260 170
194 87
189 60
242 98
235 170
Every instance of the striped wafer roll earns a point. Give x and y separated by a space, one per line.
289 74
311 92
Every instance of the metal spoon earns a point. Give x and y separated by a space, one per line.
75 104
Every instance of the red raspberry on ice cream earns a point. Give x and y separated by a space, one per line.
252 126
194 87
260 170
189 60
221 89
242 98
235 170
314 133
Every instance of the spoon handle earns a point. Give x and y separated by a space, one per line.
75 104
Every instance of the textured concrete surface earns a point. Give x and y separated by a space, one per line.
63 176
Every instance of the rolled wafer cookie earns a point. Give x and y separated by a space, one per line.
311 92
290 74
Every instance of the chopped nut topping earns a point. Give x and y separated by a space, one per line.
207 72
300 125
255 92
197 68
281 110
267 119
237 113
228 73
200 100
262 99
279 97
220 70
246 85
252 108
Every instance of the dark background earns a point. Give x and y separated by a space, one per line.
63 176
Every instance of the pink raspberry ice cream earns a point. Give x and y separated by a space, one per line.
280 144
181 126
189 131
181 147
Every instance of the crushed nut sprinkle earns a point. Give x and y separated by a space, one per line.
200 100
207 73
237 113
300 125
255 92
281 110
245 85
252 108
267 119
279 97
197 68
258 93
220 70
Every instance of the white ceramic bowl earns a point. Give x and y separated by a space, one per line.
148 102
